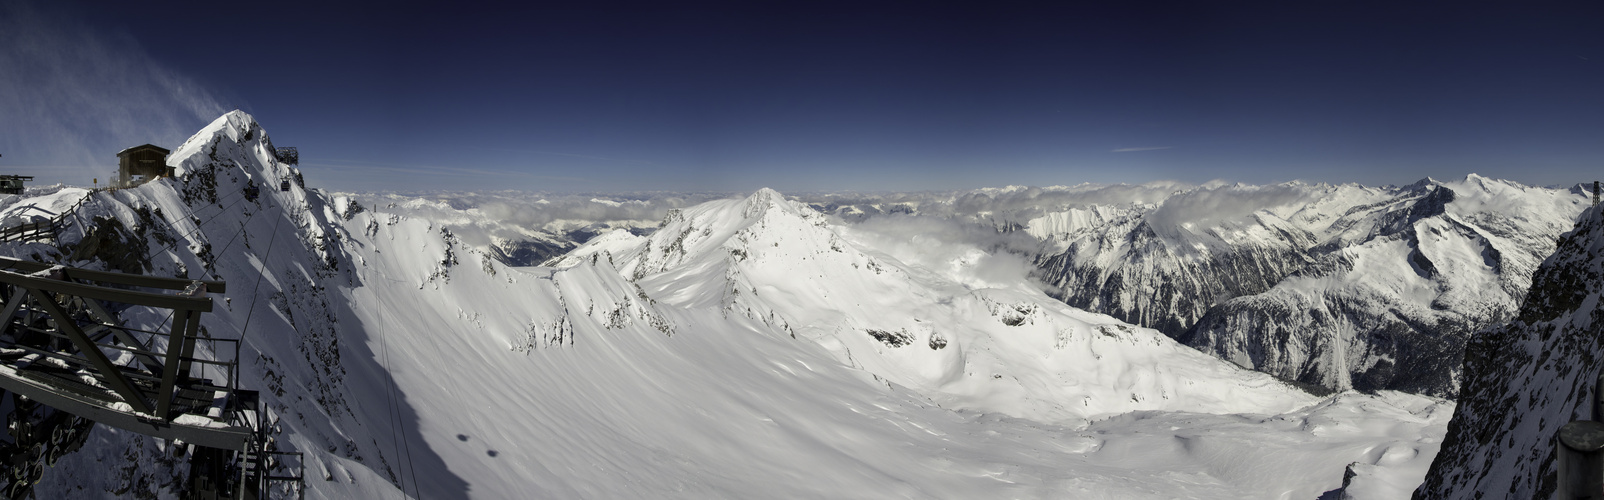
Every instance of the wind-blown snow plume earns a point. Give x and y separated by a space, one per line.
73 97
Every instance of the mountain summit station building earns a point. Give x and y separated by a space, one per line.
139 164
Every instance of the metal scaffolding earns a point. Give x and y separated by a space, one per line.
62 345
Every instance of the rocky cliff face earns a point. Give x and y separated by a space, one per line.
1525 379
1131 272
1167 264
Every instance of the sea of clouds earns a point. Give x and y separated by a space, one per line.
968 236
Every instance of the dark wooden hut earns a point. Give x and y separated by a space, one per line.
139 164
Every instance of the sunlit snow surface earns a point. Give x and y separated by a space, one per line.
728 355
728 408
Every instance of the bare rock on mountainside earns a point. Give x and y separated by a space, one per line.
1525 379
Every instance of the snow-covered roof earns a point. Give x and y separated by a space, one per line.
128 151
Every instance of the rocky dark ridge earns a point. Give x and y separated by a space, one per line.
1157 285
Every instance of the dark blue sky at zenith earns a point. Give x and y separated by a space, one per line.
601 96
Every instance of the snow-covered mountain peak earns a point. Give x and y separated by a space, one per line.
1421 185
757 226
765 199
237 127
1474 178
991 345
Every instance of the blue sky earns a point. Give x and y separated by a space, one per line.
600 96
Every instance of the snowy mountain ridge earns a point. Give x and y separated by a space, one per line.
1271 268
1008 349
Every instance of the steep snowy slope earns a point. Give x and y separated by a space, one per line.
572 382
1525 379
736 353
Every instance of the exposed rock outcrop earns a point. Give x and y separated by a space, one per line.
1525 379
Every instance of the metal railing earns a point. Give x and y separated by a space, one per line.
32 231
46 230
292 479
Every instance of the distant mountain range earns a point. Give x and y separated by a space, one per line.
1332 286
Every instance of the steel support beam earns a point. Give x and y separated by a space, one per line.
211 434
23 266
175 347
191 331
17 297
164 301
111 322
91 351
70 299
